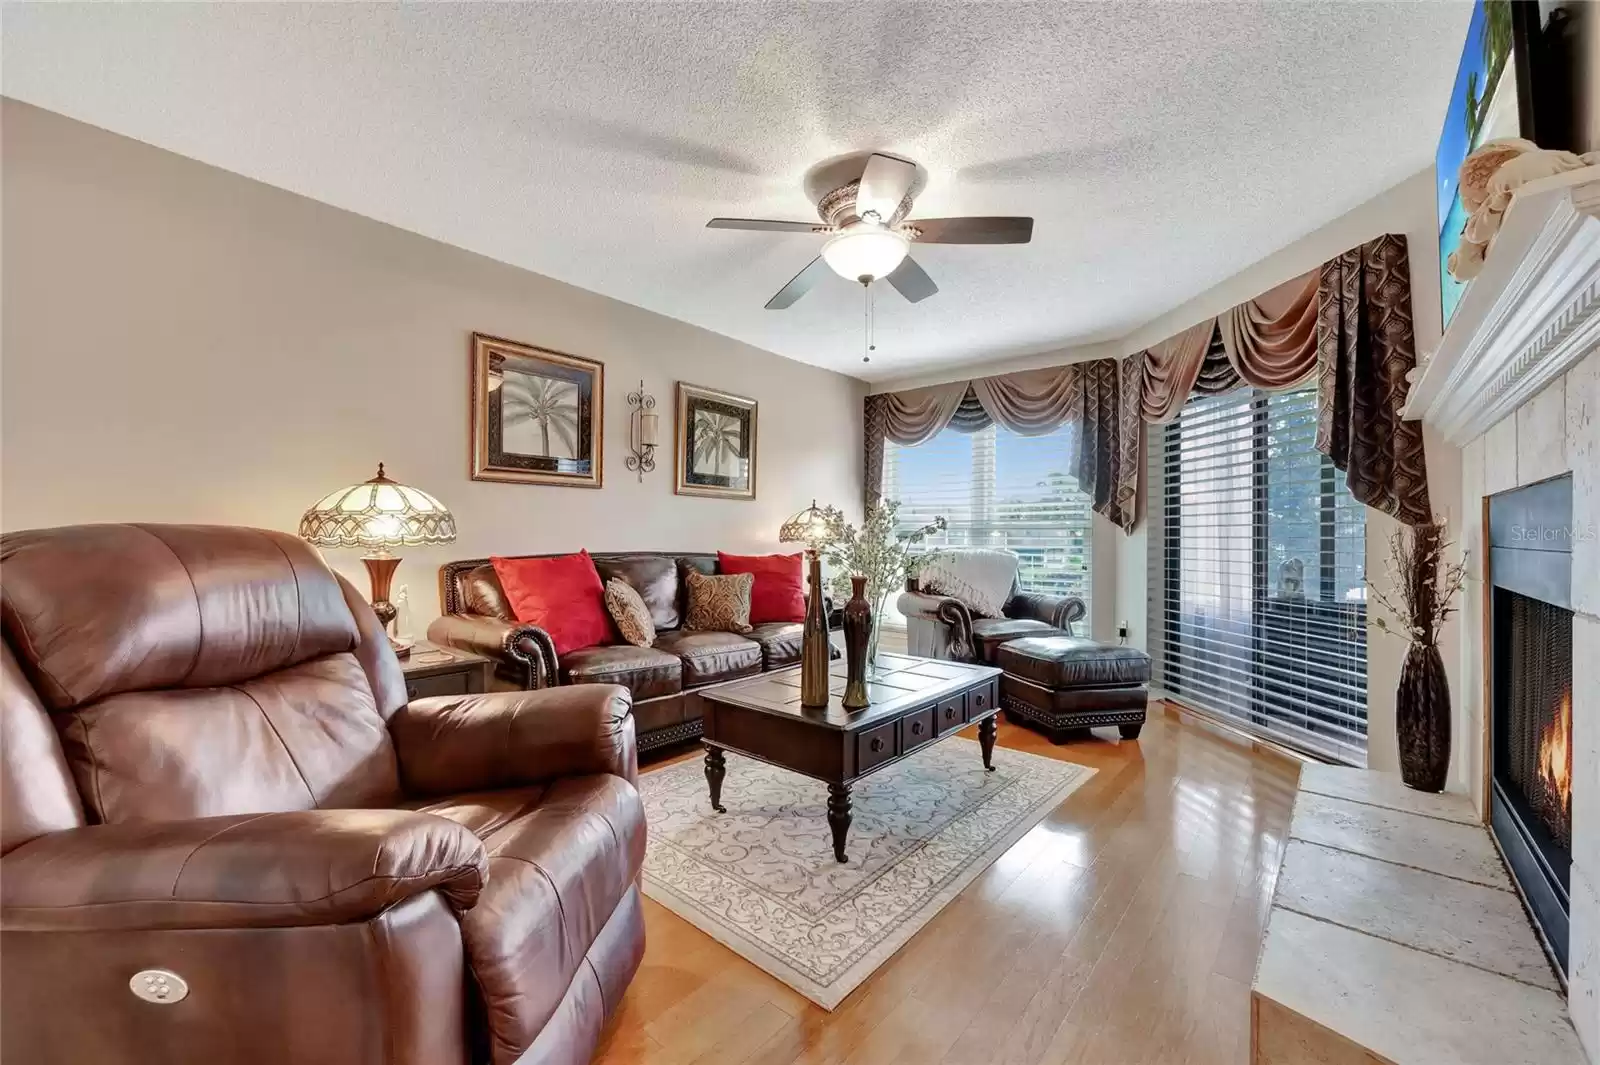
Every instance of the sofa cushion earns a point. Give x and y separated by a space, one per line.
711 657
780 643
778 594
654 577
990 634
562 858
1073 662
562 595
644 671
719 604
628 611
481 593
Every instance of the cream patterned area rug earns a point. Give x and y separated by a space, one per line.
761 878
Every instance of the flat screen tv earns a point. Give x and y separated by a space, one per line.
1483 107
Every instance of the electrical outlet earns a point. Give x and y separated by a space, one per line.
1122 632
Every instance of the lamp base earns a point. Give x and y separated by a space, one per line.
380 571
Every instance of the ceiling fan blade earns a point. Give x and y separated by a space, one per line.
977 229
884 184
798 285
912 281
766 225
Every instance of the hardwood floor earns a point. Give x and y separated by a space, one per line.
1121 930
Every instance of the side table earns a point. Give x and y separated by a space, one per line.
434 670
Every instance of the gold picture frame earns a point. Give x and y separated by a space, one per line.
714 444
554 431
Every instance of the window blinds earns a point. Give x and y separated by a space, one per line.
998 489
1257 552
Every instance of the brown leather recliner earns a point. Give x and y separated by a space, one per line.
209 768
942 626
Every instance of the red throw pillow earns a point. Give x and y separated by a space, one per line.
561 595
779 593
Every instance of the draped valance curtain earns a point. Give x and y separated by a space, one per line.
1347 323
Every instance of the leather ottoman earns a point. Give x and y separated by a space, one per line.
1062 685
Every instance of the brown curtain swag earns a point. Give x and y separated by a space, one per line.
1348 323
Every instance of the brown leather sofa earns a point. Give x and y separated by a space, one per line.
940 626
227 837
662 679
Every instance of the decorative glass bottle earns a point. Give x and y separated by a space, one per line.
857 642
814 646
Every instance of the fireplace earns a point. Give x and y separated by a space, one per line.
1530 667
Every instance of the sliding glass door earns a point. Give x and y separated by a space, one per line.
1261 611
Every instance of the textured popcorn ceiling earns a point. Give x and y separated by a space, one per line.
1160 147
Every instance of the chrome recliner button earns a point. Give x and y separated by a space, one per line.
161 986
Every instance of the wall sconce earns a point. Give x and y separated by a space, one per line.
643 427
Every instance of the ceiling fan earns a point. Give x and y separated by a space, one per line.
870 237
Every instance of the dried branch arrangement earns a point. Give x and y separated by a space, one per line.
1424 585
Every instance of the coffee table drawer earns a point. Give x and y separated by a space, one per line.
916 729
874 747
980 701
950 714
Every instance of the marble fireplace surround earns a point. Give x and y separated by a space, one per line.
1515 384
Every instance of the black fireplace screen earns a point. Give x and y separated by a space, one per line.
1534 756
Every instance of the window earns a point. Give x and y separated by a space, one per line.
1260 614
998 489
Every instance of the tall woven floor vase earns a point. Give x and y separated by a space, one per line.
1422 719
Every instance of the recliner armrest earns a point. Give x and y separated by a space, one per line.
276 870
525 652
454 743
1058 610
951 616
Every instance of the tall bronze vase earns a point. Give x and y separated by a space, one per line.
857 639
1422 719
814 647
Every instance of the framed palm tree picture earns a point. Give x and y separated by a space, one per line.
537 415
716 443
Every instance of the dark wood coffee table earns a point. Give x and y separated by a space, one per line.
915 701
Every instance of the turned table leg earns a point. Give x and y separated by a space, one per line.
986 731
839 817
716 769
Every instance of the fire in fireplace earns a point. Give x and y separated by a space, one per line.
1535 753
1553 797
1530 802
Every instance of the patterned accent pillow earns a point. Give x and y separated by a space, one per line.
627 609
719 604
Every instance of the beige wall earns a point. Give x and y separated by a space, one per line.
183 344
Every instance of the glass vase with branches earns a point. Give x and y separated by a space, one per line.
877 550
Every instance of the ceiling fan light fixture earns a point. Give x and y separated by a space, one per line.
864 250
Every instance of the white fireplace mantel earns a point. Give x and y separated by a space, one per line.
1531 313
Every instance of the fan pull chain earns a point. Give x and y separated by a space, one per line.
871 347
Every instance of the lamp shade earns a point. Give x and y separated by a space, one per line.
378 513
809 527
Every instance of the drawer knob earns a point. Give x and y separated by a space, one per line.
411 691
949 712
916 728
978 699
876 745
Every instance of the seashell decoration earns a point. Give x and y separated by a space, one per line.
1488 180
